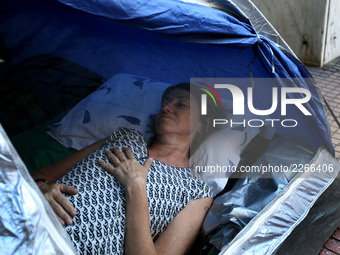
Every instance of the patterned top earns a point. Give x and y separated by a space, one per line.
99 226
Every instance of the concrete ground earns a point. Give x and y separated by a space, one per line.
328 79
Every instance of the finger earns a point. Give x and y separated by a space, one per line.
129 154
148 162
68 190
107 166
119 154
61 213
112 158
63 201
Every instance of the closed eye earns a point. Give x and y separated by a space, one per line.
183 102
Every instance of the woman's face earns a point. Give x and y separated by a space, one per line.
176 116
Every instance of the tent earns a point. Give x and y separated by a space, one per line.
57 52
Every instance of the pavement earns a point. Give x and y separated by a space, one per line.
328 79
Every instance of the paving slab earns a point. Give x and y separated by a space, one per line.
328 79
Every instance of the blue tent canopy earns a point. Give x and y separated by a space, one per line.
159 42
174 41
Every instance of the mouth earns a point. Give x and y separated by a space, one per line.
166 116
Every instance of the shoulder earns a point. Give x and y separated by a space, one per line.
196 187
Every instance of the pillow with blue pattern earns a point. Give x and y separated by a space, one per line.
124 100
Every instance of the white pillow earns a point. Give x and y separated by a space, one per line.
125 100
218 156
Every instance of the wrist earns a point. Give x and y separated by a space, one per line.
137 185
38 176
40 179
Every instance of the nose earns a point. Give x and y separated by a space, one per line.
168 107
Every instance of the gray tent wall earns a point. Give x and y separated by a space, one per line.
28 223
37 231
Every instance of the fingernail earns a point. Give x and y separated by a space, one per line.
69 222
61 222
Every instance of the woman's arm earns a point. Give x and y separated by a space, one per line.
54 172
181 232
137 229
54 193
176 239
133 177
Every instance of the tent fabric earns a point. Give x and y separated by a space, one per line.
29 84
267 215
205 42
28 224
325 212
285 211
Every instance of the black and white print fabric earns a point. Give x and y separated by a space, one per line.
99 225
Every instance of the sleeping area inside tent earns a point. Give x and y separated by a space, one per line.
73 73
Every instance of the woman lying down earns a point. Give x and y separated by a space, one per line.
127 197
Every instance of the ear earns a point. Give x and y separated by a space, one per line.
204 126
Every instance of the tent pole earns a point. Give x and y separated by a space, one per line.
332 113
